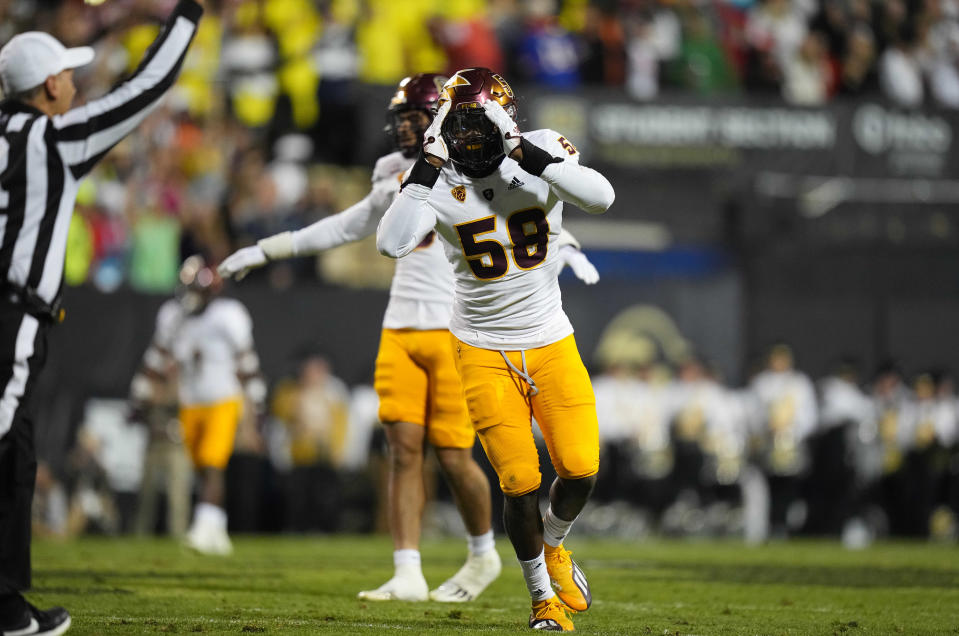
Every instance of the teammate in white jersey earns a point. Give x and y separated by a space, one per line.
501 219
208 343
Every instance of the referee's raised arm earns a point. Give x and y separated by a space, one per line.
85 134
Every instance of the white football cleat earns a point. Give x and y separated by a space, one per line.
475 575
209 541
398 588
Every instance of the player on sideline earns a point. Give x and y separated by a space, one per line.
46 149
208 343
416 380
501 221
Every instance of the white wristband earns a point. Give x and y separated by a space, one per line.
278 247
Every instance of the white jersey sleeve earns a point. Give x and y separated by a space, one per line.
168 322
359 220
409 219
583 187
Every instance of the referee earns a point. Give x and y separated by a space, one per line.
46 148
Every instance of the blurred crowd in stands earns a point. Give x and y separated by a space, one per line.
683 454
262 132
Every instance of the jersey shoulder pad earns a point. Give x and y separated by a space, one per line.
391 165
553 142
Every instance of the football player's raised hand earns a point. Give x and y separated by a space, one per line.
505 124
577 261
239 263
433 143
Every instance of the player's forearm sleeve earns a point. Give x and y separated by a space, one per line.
406 223
85 134
535 159
422 173
352 224
579 185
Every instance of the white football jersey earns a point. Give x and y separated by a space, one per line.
421 293
500 232
787 401
205 347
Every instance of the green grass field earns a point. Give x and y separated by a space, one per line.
308 585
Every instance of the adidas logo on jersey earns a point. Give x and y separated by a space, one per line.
515 183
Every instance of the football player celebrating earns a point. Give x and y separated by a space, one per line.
207 342
496 198
415 378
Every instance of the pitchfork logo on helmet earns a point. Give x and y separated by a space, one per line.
411 110
473 141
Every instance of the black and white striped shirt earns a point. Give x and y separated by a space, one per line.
43 159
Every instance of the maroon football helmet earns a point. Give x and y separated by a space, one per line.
416 94
473 141
199 283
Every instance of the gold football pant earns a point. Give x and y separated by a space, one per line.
209 431
501 411
417 382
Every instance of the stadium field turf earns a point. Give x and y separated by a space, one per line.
308 585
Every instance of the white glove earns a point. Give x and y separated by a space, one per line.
433 142
577 261
505 124
239 263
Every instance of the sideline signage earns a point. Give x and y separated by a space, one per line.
850 139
